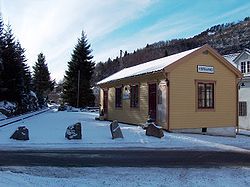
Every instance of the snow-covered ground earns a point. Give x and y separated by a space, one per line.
2 117
5 119
128 177
47 131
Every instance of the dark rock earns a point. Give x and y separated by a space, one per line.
102 113
153 130
62 108
74 131
115 130
22 133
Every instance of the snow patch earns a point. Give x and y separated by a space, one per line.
47 131
107 176
2 116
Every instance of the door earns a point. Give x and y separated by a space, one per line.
162 102
105 102
152 101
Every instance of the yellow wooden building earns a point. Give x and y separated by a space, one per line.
192 91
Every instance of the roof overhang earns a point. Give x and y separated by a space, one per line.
205 49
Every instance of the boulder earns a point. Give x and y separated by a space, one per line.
74 131
115 130
153 130
62 108
22 133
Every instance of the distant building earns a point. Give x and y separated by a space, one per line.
96 92
192 91
242 62
56 94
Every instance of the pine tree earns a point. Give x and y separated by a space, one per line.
28 103
26 74
81 66
42 82
12 69
15 77
1 59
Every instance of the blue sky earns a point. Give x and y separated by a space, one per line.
53 26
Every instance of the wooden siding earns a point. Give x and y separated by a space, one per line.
127 114
183 113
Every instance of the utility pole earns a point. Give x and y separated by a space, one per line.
78 88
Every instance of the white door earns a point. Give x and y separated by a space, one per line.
162 102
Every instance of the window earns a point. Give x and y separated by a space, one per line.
248 66
243 67
118 97
242 108
205 95
134 96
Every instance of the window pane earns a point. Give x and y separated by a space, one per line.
201 95
209 95
134 96
248 66
118 97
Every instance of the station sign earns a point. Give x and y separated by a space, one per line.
205 69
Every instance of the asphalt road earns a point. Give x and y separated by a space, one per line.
124 158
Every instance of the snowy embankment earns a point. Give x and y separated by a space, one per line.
47 131
106 176
5 121
2 116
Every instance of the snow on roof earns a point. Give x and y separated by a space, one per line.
230 58
246 50
148 67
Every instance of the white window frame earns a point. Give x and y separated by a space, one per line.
243 67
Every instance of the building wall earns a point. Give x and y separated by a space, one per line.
244 92
183 111
127 114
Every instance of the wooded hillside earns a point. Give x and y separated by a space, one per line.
225 38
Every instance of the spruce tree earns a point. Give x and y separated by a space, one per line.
27 102
26 74
41 80
15 78
1 59
12 69
80 66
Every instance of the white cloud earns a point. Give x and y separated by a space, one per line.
52 27
164 29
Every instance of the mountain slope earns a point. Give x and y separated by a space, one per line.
225 38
